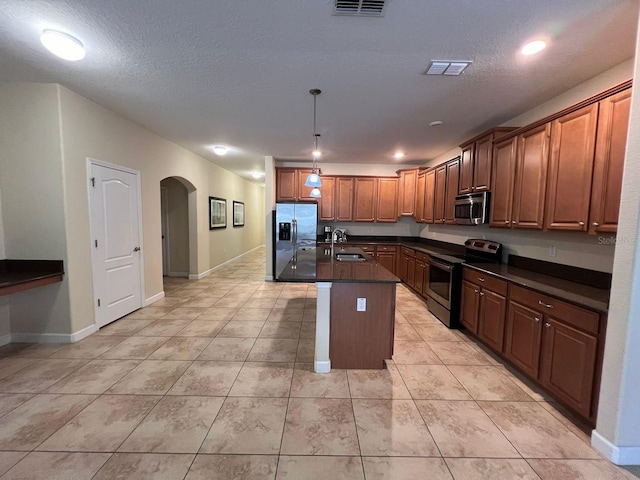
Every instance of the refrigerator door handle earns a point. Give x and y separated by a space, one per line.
294 234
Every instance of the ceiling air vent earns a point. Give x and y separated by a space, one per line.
365 8
446 67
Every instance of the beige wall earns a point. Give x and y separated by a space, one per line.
33 201
177 227
47 132
232 241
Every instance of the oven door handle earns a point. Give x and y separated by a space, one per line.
441 265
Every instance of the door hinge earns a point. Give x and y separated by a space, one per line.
93 181
98 302
96 242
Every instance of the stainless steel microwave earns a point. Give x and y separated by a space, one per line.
472 209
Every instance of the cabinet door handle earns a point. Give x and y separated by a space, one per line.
480 279
581 224
513 221
481 294
540 302
507 222
547 324
476 291
536 319
595 224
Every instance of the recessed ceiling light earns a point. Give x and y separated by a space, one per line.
534 47
63 45
398 155
436 123
257 174
220 150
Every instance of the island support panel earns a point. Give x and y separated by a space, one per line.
361 339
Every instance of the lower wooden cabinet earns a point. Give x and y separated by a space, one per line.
568 364
556 343
407 266
524 331
484 306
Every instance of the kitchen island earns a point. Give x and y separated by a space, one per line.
355 312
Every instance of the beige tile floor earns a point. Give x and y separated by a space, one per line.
216 381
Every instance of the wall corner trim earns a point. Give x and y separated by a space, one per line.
153 298
614 453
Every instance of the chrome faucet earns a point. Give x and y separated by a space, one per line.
341 237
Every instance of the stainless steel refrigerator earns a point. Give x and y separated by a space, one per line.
296 227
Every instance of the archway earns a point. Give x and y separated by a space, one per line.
178 220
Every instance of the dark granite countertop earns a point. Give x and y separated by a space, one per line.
583 295
14 273
568 290
317 265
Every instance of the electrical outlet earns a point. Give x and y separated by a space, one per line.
361 305
553 251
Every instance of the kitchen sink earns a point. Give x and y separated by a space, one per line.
350 257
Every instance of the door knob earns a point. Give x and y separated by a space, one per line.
137 249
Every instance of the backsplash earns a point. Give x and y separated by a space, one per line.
405 227
593 252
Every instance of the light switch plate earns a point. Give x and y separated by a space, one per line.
361 305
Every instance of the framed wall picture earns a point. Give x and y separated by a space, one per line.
217 213
238 214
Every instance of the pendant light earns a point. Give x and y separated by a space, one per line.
313 180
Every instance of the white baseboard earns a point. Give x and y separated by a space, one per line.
614 453
322 366
268 278
178 274
53 337
153 298
5 339
199 276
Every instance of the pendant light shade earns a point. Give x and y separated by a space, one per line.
313 180
315 193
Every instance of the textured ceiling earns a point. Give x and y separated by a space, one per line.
238 72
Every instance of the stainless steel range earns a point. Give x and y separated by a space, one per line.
445 278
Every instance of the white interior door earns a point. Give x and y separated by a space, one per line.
116 230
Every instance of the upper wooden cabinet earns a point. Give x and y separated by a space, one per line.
407 193
420 196
290 184
476 161
611 142
502 182
387 207
366 193
453 174
532 159
429 196
344 199
571 170
439 193
376 199
327 203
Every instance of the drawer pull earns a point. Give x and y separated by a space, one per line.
480 279
481 294
581 224
595 224
476 291
536 319
540 302
507 222
547 324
